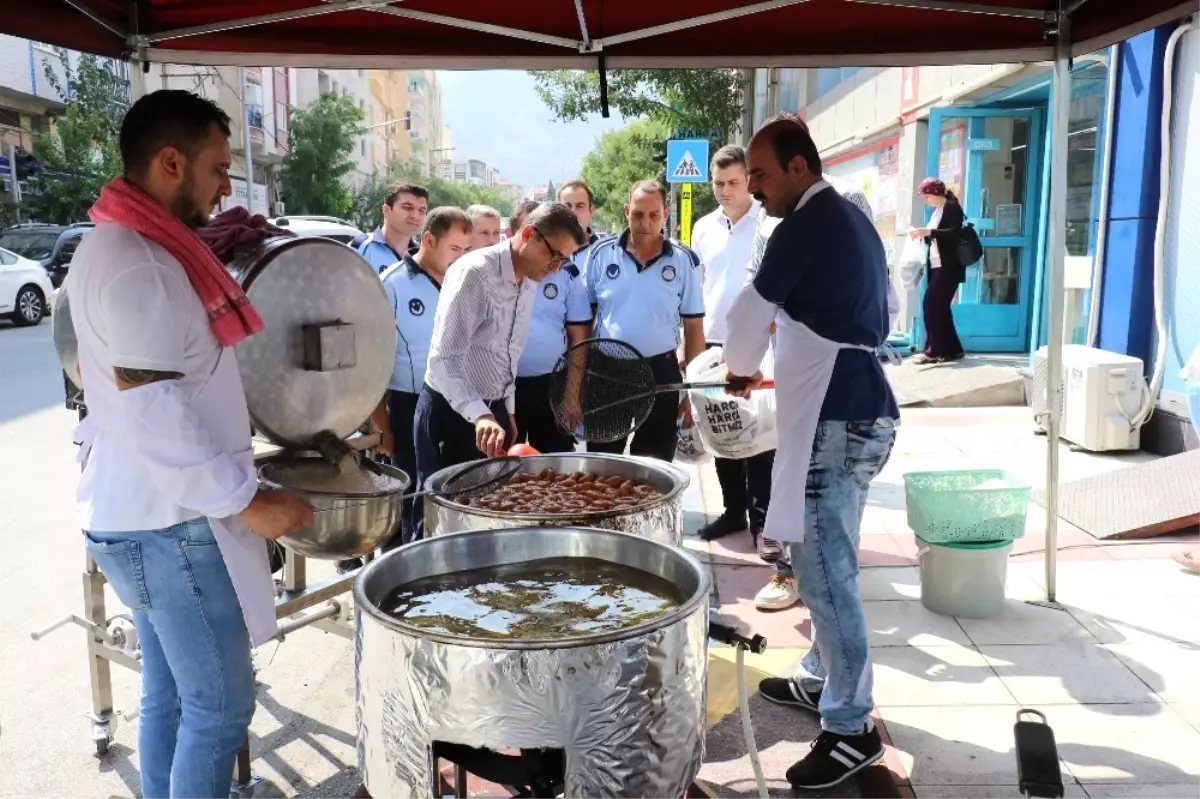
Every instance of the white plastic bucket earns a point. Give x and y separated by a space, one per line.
964 579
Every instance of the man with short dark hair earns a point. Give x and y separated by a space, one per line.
413 287
169 498
467 403
485 226
724 241
577 195
404 208
823 282
643 288
562 317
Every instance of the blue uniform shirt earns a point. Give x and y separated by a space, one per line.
643 304
414 298
379 253
561 300
826 268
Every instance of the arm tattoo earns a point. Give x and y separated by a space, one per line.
135 378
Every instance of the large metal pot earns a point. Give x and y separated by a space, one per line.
344 525
627 708
660 519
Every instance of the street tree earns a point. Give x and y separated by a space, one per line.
681 99
80 153
619 159
323 137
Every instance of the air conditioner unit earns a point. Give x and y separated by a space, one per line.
280 209
1102 395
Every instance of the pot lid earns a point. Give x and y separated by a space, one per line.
65 342
325 356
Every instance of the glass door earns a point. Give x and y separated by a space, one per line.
992 160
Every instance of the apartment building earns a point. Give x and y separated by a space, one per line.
309 84
427 133
388 121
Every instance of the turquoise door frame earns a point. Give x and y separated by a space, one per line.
991 326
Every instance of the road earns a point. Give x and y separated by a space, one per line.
305 719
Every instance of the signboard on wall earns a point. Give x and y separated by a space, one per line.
238 198
952 157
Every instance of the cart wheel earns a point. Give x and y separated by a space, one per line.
102 747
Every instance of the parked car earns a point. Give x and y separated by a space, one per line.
326 227
52 246
25 289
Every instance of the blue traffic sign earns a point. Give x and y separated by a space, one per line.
687 161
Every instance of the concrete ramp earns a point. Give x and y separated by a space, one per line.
1149 499
973 382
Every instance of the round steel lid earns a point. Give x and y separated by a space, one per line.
65 342
325 356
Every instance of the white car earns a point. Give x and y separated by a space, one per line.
326 227
25 290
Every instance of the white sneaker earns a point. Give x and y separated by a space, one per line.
779 594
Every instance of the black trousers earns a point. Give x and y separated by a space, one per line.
443 438
657 437
402 410
746 485
941 336
535 419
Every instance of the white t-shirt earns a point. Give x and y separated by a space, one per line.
172 451
935 255
724 249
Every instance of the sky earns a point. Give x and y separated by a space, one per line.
522 140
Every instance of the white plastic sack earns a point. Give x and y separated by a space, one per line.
912 261
730 427
689 447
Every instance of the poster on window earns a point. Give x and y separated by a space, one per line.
952 157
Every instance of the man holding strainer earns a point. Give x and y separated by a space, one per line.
823 280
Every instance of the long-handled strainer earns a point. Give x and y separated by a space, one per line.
606 388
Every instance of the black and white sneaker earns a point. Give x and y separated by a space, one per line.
834 758
785 691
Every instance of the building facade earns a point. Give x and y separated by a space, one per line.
428 134
388 121
309 84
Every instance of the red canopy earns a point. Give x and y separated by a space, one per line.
574 33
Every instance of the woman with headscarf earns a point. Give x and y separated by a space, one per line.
946 271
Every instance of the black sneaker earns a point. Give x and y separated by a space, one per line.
725 524
785 691
834 758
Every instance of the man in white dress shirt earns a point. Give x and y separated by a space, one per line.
466 407
724 240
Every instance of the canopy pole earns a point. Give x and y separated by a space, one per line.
1060 112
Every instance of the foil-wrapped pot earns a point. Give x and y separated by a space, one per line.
626 707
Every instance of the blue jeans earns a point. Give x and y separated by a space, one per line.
846 457
197 676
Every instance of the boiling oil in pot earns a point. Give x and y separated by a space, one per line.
543 599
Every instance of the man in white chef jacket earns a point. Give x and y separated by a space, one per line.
823 280
169 500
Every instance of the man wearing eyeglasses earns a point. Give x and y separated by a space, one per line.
404 209
643 288
466 406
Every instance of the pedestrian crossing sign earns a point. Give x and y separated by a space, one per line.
687 161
